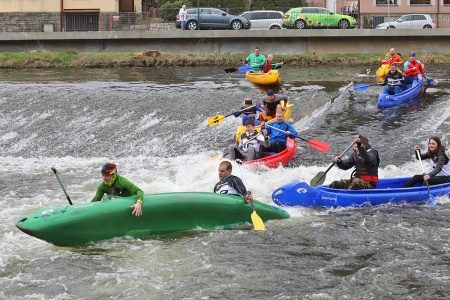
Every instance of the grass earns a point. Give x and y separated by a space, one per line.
70 59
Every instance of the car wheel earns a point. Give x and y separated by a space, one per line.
300 24
275 27
391 27
344 24
236 25
427 26
191 25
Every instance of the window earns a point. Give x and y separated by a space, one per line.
216 12
275 15
385 2
258 16
420 2
248 16
323 11
446 2
408 18
309 10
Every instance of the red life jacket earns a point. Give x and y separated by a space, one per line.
267 67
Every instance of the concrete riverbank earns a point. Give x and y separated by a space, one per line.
325 41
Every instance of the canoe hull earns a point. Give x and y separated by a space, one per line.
79 224
274 161
388 190
385 100
270 78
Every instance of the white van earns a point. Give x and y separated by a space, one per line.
264 19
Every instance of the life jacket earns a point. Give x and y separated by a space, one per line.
250 111
245 140
445 168
393 81
267 67
414 73
226 187
366 171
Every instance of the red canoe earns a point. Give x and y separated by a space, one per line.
273 161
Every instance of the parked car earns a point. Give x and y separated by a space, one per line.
409 21
316 17
212 18
264 19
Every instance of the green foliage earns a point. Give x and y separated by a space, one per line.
282 5
169 10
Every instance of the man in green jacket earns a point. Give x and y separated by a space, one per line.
256 60
116 185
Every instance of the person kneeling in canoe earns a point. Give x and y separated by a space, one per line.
230 184
276 135
271 103
249 112
366 161
394 79
248 148
270 65
438 160
413 70
116 185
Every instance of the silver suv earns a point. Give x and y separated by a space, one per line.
212 18
409 21
264 19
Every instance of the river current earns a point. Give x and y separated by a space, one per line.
153 124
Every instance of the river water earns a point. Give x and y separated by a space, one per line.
153 124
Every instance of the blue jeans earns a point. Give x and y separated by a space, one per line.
183 25
392 90
411 79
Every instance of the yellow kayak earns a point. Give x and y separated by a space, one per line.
382 70
241 129
270 78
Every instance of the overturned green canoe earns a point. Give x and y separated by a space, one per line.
162 214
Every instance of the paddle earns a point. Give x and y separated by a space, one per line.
258 223
213 121
431 201
241 69
367 71
244 69
230 70
361 87
62 186
316 144
320 177
431 81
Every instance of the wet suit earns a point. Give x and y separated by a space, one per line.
231 185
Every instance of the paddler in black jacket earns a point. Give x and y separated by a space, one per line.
365 159
230 184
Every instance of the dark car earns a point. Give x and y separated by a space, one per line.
212 18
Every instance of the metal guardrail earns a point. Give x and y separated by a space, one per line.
153 20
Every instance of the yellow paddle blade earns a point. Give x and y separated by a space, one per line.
213 121
258 223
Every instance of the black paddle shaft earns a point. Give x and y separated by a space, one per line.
62 186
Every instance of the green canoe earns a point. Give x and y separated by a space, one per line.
162 214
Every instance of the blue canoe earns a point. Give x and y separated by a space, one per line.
297 193
385 100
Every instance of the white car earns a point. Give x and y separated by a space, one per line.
264 19
409 21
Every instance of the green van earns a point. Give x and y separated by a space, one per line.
316 17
